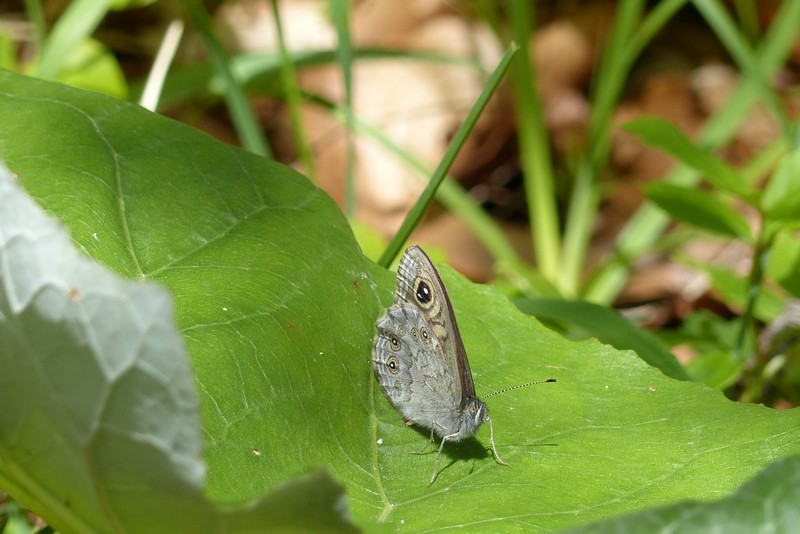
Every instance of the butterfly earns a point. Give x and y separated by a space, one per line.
420 361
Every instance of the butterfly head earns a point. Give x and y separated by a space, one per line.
473 416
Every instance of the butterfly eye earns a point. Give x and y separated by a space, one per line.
393 364
394 342
423 292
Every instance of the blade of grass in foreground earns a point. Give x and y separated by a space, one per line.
450 193
414 216
75 25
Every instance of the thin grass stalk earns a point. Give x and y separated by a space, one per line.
244 120
294 102
340 12
450 193
629 35
417 211
534 148
34 12
733 40
75 25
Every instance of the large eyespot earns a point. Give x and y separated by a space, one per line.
393 364
394 342
423 292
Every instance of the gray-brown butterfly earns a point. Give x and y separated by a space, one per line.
420 359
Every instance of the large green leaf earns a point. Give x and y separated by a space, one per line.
767 503
220 228
276 306
100 427
607 326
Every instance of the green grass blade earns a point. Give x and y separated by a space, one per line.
294 102
414 216
648 222
534 148
625 46
748 18
735 43
450 194
340 12
34 11
244 120
74 26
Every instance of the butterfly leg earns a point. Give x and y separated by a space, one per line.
491 440
436 463
425 448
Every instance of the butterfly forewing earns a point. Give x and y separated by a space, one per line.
418 282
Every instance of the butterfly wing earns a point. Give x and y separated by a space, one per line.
412 371
419 283
418 354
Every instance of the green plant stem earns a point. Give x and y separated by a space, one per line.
748 18
754 376
340 12
625 45
578 228
293 100
450 194
74 26
245 122
34 12
729 34
763 162
416 212
534 147
648 222
760 257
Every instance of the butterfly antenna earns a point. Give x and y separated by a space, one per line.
521 386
